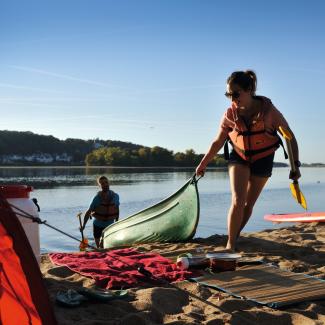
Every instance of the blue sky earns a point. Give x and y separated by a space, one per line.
154 72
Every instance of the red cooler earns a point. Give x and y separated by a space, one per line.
18 195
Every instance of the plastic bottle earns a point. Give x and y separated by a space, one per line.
199 262
18 195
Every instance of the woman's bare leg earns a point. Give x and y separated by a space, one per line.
254 189
239 177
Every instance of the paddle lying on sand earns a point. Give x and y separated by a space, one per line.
84 241
294 186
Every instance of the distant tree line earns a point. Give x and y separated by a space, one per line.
147 157
95 152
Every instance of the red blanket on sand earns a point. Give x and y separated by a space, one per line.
118 268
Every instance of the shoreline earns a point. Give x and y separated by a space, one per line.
277 165
299 248
113 167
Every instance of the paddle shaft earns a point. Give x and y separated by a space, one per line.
81 230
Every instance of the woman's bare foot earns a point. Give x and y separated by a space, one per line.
230 248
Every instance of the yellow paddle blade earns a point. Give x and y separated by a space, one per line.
285 133
297 194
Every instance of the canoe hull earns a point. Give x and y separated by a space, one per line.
172 220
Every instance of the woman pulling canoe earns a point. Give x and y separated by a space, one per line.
104 208
250 124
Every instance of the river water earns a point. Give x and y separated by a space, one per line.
64 192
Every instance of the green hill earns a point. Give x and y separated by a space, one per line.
28 148
18 147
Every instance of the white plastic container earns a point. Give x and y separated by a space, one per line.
18 195
185 263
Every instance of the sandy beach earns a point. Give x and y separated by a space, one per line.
298 249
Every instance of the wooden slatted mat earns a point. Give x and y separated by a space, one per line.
267 285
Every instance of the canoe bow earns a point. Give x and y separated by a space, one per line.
173 219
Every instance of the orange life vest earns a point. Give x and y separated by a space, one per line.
107 210
255 142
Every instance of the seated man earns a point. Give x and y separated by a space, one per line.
104 208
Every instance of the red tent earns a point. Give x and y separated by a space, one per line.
23 295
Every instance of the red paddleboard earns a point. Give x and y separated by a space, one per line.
297 217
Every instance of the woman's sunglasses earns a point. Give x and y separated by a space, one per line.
233 95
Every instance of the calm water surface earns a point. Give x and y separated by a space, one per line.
64 192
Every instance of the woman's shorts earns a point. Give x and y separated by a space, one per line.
261 167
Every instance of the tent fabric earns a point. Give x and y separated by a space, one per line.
15 299
23 295
119 268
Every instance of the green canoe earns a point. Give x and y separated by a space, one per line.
172 220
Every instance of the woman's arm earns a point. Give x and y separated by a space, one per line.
294 146
279 121
295 152
216 145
